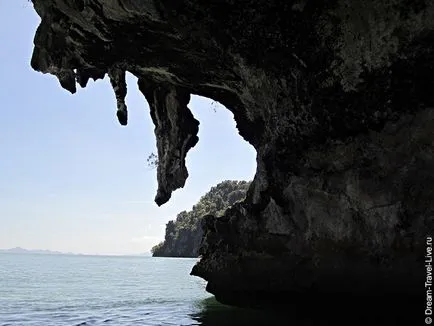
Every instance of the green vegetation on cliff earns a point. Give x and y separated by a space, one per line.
183 235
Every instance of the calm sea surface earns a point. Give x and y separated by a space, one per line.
58 290
67 290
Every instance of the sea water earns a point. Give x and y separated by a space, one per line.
78 290
73 290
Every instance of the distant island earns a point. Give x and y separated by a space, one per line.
19 250
183 235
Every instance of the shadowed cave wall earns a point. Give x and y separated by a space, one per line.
337 99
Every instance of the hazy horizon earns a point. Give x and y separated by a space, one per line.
71 178
48 251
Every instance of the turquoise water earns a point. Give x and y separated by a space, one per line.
67 290
58 290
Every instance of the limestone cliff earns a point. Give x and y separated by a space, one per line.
337 99
184 234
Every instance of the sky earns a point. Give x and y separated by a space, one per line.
73 179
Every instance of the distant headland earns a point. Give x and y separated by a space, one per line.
19 250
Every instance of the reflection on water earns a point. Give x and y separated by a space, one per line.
50 290
212 313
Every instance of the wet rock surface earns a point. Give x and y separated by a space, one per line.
337 99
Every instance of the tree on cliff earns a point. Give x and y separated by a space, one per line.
183 235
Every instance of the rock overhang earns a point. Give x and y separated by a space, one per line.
303 79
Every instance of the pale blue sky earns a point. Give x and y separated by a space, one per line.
73 179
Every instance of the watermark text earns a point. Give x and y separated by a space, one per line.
428 280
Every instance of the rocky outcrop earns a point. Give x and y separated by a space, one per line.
184 234
335 96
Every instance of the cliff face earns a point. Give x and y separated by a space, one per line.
337 99
184 235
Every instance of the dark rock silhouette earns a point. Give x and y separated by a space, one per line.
337 99
184 234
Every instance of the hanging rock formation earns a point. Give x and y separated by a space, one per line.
337 97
